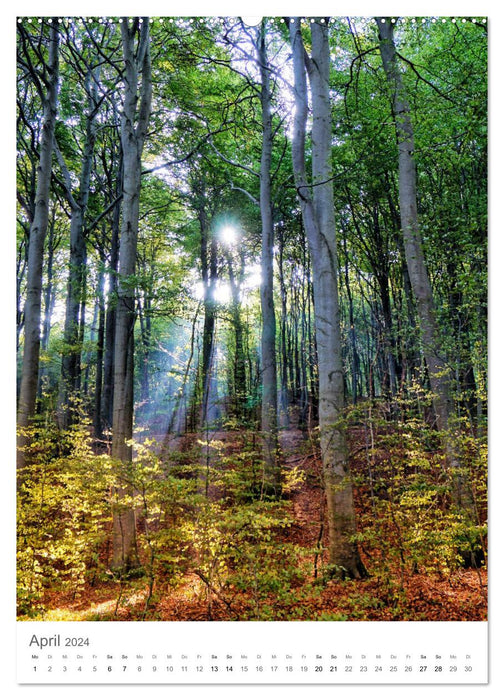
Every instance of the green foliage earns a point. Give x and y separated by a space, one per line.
62 514
65 512
234 544
240 554
237 542
414 523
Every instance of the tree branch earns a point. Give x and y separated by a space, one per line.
231 162
247 193
420 77
189 155
104 213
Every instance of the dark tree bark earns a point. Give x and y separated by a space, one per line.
76 287
100 342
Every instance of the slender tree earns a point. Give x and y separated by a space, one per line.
415 258
439 373
269 426
137 68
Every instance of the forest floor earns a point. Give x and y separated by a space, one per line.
394 590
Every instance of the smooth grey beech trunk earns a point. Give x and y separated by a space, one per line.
38 230
417 270
317 208
269 425
133 132
415 258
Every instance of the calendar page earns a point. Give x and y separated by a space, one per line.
251 347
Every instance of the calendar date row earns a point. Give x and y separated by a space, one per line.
253 669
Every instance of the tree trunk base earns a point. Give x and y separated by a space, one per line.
355 571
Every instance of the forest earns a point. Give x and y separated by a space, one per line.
251 311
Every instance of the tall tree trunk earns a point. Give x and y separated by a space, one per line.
133 132
93 333
318 217
71 361
417 270
312 358
269 425
38 230
415 259
410 359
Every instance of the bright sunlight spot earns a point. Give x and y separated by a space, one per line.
222 293
228 235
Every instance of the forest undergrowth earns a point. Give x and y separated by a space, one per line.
214 545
